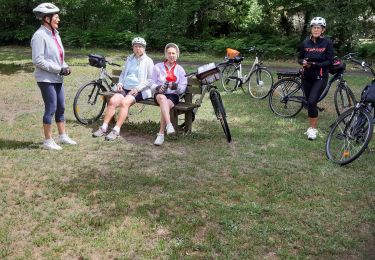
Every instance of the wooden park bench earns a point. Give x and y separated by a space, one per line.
184 108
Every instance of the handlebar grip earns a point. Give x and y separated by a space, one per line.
361 63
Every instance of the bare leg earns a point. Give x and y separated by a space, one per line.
47 128
61 127
114 102
125 104
165 106
313 122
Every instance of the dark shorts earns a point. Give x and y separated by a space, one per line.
172 97
138 97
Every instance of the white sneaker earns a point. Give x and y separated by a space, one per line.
311 133
49 144
98 133
112 135
65 139
159 139
170 129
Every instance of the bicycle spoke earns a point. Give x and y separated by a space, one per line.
260 83
285 98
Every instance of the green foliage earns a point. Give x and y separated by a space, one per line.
274 47
22 35
94 38
367 50
196 25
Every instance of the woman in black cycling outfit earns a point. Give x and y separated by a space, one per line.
316 55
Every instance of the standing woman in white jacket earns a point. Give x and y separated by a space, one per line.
50 69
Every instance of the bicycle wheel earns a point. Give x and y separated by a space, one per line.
349 136
136 109
88 103
220 113
229 77
285 97
260 83
343 98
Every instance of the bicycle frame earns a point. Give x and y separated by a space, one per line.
255 65
244 79
204 89
302 99
103 76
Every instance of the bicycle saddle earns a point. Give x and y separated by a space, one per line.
236 59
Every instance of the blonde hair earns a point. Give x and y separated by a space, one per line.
171 45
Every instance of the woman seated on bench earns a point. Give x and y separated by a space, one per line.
134 85
168 82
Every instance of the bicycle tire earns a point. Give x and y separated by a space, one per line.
220 113
260 83
353 127
136 109
229 77
89 104
343 98
280 100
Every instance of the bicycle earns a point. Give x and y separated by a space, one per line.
207 75
287 98
259 78
91 99
351 133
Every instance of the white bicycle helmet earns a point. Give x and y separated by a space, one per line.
318 21
45 9
139 40
173 45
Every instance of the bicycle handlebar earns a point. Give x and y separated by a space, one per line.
350 55
190 74
363 63
252 49
113 64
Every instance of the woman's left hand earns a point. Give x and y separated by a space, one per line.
133 92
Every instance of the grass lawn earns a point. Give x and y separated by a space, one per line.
269 194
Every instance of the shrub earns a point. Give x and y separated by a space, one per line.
367 50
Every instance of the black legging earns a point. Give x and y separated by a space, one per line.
313 89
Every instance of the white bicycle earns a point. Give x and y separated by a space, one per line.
259 78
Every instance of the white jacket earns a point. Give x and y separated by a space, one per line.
145 66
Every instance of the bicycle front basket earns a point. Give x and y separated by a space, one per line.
96 60
208 74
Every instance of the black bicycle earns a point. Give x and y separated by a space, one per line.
259 78
207 75
89 102
351 133
91 98
287 97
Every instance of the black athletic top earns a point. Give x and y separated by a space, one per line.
320 53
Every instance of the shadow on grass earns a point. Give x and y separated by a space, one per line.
8 69
13 144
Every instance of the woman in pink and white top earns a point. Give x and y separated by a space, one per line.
168 82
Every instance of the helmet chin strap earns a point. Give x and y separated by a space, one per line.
50 21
